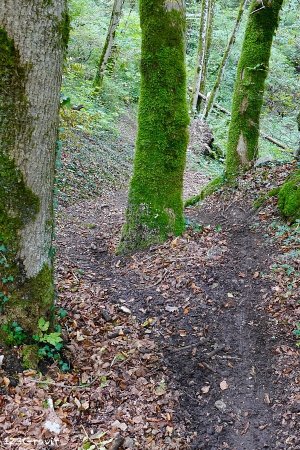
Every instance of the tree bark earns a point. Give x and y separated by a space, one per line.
155 205
33 36
252 71
214 91
297 152
261 132
206 20
109 41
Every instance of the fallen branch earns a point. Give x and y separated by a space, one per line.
263 135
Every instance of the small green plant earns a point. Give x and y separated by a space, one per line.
62 313
8 279
197 227
14 334
297 333
51 344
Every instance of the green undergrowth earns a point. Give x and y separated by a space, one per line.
45 344
94 155
282 86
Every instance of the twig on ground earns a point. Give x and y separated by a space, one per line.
216 350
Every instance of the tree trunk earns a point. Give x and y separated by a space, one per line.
206 20
297 152
33 36
249 86
109 42
214 91
155 206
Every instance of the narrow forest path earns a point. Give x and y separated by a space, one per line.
201 300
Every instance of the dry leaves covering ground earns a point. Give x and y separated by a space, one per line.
188 345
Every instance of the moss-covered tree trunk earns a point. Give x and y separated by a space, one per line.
109 42
32 39
248 94
155 205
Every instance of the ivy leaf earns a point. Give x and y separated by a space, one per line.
43 324
62 313
52 338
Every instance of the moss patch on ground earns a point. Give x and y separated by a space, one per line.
289 197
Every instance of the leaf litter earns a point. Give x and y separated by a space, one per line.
188 345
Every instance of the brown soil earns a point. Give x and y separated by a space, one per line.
206 294
177 347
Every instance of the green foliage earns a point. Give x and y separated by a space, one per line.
282 86
297 333
62 313
197 227
290 233
90 20
12 334
45 344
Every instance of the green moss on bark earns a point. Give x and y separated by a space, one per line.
28 298
30 357
289 198
18 204
155 205
252 71
211 187
64 27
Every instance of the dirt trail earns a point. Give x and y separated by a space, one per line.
205 295
240 324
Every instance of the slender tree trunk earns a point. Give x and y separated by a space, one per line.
297 152
155 206
261 132
33 36
109 41
211 98
206 21
249 86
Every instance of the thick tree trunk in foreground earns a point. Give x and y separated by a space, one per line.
206 21
211 98
155 206
32 39
109 41
249 86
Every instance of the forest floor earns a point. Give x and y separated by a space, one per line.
187 345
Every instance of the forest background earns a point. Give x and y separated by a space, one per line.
103 158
